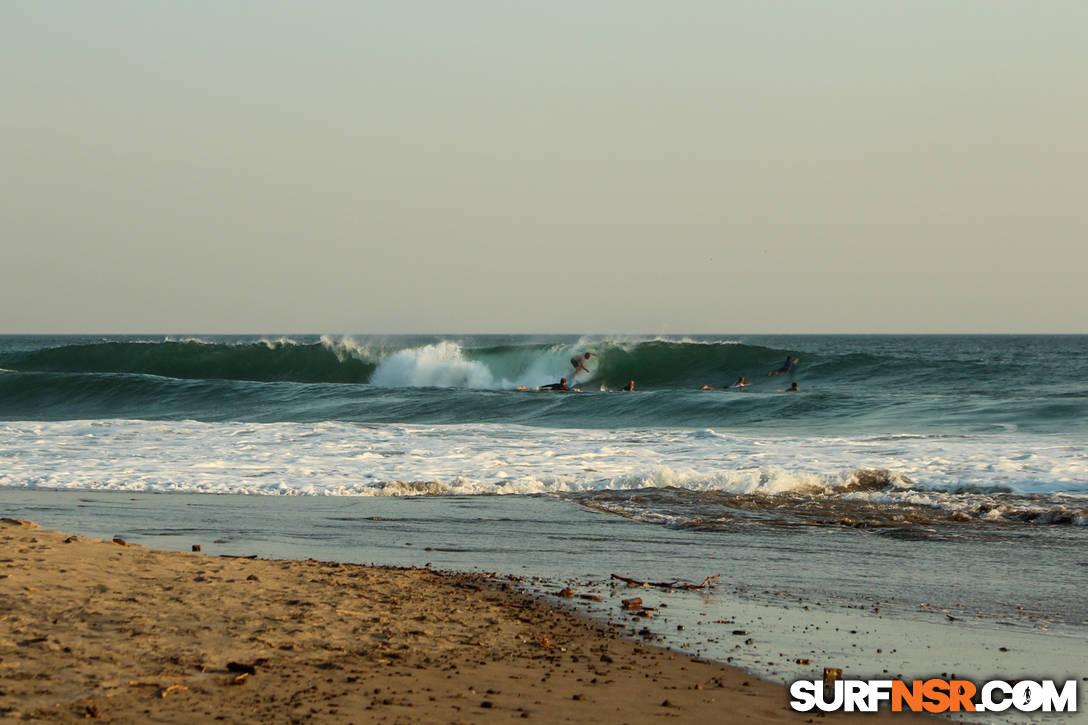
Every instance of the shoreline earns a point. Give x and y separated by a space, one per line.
855 604
93 628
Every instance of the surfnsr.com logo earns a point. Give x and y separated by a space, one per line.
934 696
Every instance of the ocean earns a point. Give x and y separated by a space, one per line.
940 480
884 431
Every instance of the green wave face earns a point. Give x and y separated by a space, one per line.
913 384
655 364
201 361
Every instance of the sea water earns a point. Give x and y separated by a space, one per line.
936 487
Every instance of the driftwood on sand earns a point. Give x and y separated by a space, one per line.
666 585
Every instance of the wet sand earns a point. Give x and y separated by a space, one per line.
123 633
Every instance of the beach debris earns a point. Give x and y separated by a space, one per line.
803 661
164 691
740 632
666 585
606 658
253 578
591 597
635 603
239 679
196 547
20 522
544 641
119 541
71 540
831 674
567 593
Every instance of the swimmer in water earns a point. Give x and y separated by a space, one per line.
629 386
561 385
741 383
786 366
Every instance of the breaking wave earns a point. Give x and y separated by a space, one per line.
443 363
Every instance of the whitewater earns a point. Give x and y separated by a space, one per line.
999 477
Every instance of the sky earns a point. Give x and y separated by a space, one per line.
615 166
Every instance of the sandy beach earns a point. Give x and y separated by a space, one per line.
123 633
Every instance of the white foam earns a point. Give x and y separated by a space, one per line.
333 458
631 341
347 347
446 365
279 342
441 365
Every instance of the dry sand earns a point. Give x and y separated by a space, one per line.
99 629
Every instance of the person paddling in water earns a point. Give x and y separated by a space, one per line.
741 382
786 366
561 385
578 362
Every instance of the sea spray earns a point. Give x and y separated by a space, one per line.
441 365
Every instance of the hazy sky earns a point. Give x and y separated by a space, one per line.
589 166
